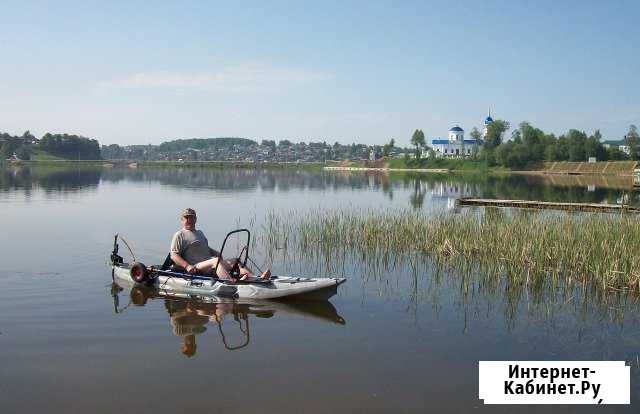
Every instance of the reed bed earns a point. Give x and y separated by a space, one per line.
597 251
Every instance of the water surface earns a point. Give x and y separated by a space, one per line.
400 338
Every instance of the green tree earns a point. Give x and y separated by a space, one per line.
495 132
614 154
5 151
533 140
386 150
632 140
71 146
24 152
594 148
552 152
113 152
576 141
28 137
475 134
417 140
269 143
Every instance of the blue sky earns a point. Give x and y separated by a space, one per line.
140 72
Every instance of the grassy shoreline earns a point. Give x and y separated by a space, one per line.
591 250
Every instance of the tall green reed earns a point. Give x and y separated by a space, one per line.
527 248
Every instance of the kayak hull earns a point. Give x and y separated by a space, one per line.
279 286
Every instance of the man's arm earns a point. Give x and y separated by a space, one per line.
177 259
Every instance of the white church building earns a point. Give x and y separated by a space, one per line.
456 145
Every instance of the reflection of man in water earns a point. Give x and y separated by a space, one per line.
190 250
188 346
189 319
186 322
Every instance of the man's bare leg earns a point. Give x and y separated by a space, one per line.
224 269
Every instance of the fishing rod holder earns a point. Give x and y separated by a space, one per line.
115 258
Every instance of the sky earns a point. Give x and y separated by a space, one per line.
140 72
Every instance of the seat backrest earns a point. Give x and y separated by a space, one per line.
167 263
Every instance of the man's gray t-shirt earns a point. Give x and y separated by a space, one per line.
192 246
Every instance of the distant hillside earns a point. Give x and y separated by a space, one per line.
71 147
203 143
188 149
49 147
244 150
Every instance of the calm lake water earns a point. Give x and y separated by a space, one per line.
403 339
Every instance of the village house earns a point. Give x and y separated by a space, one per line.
620 144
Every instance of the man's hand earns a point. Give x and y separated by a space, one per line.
191 269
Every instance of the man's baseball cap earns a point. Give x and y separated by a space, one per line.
188 212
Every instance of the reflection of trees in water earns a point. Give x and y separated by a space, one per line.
235 179
527 187
50 179
243 179
70 180
15 179
418 185
417 196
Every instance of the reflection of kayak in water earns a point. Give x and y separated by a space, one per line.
192 315
315 309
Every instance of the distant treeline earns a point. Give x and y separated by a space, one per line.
203 143
18 145
151 152
73 147
236 149
530 145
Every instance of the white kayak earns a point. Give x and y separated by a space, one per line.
276 287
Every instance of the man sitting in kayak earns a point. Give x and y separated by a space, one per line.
190 250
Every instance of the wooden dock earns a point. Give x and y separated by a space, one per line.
546 205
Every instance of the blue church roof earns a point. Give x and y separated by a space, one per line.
440 141
488 120
456 129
